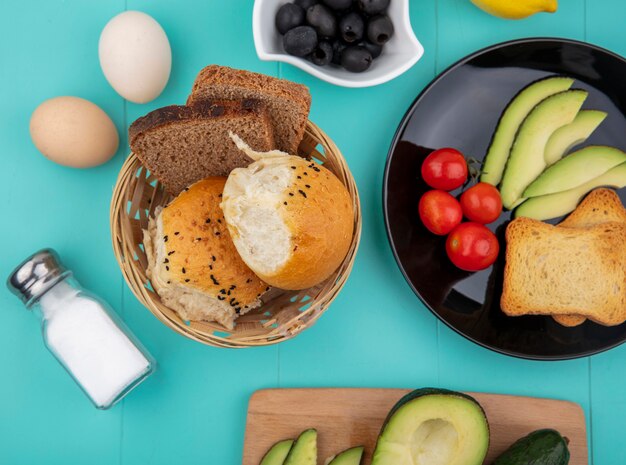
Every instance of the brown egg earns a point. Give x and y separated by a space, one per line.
74 132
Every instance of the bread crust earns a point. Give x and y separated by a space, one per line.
554 268
268 88
200 252
600 206
202 110
319 214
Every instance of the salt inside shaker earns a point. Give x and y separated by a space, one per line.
84 334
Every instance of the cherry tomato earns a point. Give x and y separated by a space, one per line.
440 212
445 169
472 246
481 203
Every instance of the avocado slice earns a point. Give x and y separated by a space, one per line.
510 121
304 451
350 456
526 160
558 204
577 132
433 427
541 447
576 169
277 453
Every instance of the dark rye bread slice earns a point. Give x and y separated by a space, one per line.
184 144
288 103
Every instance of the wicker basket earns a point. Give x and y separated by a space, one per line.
282 315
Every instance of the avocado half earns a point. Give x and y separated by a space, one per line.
433 427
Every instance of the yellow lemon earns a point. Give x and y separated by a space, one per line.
516 9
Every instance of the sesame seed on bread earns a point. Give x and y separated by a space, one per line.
193 263
288 103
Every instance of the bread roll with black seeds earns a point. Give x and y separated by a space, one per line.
291 219
192 262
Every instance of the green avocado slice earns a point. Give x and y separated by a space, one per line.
510 121
304 451
277 453
570 135
576 169
433 427
544 446
558 204
526 161
350 456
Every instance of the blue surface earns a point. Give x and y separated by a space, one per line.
377 334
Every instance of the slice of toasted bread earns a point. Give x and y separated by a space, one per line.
288 103
562 271
600 206
184 144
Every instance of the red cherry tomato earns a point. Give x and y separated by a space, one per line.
472 246
440 212
445 169
481 203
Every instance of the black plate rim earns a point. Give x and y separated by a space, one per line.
394 143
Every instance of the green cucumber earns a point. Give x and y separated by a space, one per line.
542 447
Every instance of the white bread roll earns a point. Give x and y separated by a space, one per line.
192 262
291 219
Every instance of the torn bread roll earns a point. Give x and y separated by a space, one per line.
290 219
192 262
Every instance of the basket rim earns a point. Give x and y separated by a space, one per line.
286 330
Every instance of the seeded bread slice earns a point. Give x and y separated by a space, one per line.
562 271
600 206
184 144
288 103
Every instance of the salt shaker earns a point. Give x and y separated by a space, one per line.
84 334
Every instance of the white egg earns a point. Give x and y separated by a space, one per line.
73 132
135 56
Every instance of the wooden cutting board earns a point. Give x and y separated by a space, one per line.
350 417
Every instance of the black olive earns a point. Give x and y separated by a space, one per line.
379 29
351 27
322 19
356 59
305 4
338 4
300 41
338 47
289 16
373 7
374 49
323 54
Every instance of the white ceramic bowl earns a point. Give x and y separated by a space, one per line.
401 52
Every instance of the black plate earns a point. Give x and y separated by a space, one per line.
460 109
